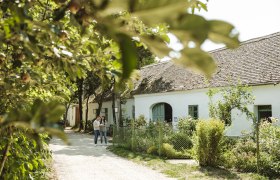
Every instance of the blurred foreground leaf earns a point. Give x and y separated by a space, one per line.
129 55
223 32
198 60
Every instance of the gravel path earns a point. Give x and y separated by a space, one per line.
82 160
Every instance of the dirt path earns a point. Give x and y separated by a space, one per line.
85 161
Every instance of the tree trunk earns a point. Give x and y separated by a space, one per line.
113 102
86 113
80 94
113 108
120 114
100 103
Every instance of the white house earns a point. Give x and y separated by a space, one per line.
168 91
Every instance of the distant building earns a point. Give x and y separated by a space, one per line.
167 91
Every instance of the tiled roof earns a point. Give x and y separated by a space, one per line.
255 62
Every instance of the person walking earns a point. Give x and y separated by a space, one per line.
103 132
96 128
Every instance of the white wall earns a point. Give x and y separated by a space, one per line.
265 95
71 115
179 102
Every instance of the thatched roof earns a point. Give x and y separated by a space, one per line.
255 62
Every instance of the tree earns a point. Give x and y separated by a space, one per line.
146 57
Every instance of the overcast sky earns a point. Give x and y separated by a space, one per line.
252 18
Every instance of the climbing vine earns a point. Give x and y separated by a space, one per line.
233 97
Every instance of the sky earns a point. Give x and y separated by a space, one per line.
251 18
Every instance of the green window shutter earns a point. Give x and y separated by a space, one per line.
193 111
158 112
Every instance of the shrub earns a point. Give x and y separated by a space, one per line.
229 142
142 140
126 121
168 150
270 148
140 121
187 126
151 129
209 136
26 160
152 150
180 141
243 155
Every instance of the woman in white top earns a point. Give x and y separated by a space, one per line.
96 128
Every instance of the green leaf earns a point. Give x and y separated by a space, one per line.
56 113
190 27
223 32
156 45
161 13
7 31
35 163
203 5
30 166
58 133
144 5
129 55
40 162
198 60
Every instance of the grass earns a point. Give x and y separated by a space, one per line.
182 171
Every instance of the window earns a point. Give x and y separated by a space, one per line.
193 111
264 112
